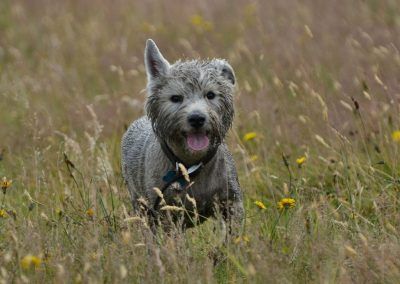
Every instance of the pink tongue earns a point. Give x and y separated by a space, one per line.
197 142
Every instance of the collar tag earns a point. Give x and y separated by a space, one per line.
194 168
175 175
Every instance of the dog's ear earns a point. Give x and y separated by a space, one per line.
156 64
227 71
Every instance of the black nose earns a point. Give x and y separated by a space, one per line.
196 120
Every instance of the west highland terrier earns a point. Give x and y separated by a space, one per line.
174 158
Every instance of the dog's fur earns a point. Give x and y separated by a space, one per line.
144 163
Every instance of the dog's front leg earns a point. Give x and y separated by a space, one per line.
233 217
233 214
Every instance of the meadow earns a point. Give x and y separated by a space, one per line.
317 120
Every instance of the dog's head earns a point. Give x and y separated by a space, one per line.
189 103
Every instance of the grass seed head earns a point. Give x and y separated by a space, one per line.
159 194
172 208
184 172
350 251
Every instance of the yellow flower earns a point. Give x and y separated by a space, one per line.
59 212
286 203
200 23
249 136
5 184
260 205
90 212
253 158
29 261
3 213
396 136
242 239
300 161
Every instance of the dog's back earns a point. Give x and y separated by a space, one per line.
134 142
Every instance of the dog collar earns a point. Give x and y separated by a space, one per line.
176 175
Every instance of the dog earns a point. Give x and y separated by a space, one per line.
175 156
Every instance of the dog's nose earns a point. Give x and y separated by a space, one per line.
197 120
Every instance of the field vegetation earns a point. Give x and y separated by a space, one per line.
316 140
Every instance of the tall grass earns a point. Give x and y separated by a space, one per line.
317 79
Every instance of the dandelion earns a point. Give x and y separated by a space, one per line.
196 20
396 136
260 205
241 239
148 28
5 183
286 203
94 256
90 212
300 161
253 158
59 212
29 261
249 136
200 23
3 213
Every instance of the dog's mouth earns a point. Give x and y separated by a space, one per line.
197 141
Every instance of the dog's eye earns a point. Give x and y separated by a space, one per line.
210 95
176 99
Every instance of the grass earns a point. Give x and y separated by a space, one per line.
316 79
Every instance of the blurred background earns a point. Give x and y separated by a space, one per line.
316 79
292 58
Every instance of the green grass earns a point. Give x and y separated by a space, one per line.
71 80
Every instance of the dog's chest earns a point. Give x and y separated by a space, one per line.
201 193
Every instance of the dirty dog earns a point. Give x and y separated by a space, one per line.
175 156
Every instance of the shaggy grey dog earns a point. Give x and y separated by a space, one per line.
179 146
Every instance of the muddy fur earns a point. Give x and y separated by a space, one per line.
143 161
